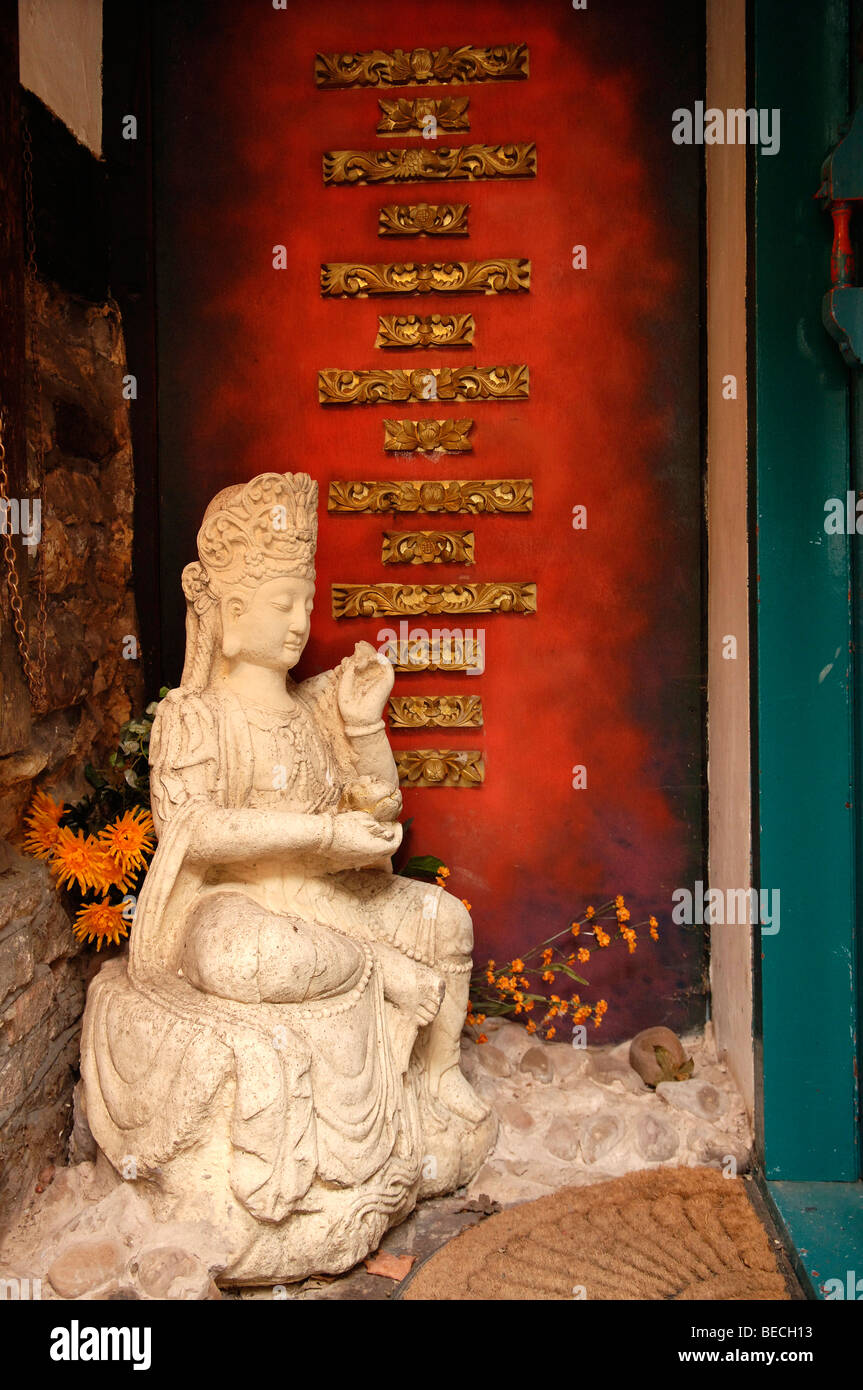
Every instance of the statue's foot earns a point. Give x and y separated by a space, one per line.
456 1093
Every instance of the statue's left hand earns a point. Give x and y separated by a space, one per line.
364 686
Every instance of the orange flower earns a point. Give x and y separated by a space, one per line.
80 859
443 871
130 839
551 1032
101 922
575 928
652 922
601 1006
654 933
528 1005
602 937
618 902
564 1005
517 966
524 981
548 976
623 914
590 912
465 904
489 965
547 955
583 954
43 824
530 1026
482 1038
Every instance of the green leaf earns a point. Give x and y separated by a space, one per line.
93 777
421 864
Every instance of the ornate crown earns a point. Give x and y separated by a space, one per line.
256 531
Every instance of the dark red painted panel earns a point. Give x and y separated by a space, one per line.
608 673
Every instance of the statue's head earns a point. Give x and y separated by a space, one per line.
249 595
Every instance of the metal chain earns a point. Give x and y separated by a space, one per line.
34 677
34 669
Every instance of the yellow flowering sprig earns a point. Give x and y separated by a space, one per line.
522 988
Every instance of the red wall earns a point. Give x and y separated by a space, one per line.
608 673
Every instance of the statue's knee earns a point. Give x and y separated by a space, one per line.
455 928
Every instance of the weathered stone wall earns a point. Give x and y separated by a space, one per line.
86 490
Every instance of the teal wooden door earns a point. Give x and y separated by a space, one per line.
806 618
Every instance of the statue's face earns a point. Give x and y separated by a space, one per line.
271 627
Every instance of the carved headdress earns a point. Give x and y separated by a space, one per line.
251 532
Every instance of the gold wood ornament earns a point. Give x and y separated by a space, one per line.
352 280
427 436
432 495
396 600
418 652
422 115
440 767
435 712
384 384
464 163
433 330
442 67
428 548
423 219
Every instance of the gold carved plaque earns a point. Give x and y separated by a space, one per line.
432 330
423 219
440 767
464 163
422 115
435 712
428 548
395 600
435 495
427 436
349 279
384 384
441 67
419 651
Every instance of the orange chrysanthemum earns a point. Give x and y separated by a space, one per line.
43 825
101 922
583 954
130 839
517 965
80 859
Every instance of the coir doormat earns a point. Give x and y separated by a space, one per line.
679 1233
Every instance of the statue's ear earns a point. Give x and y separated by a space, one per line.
235 607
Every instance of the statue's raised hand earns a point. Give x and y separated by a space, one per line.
364 686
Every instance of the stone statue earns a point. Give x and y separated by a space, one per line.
279 1057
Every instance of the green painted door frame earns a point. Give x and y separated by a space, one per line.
806 820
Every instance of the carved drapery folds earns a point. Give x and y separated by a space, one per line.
440 767
402 600
435 712
441 67
427 436
419 115
384 384
428 548
432 495
423 219
431 330
464 163
351 279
